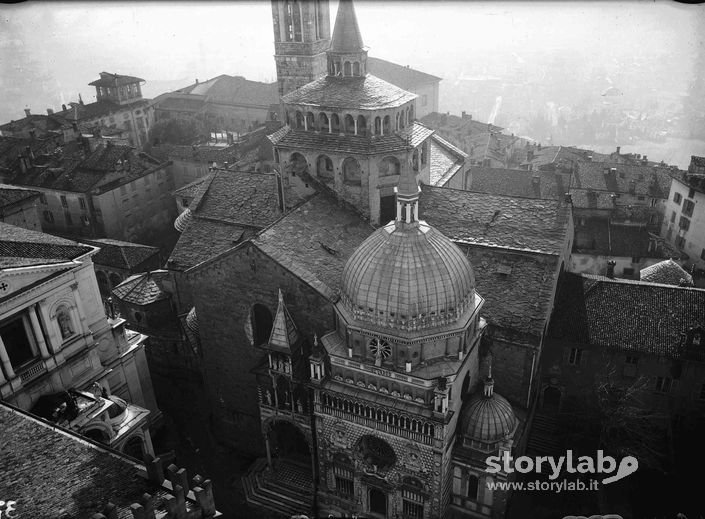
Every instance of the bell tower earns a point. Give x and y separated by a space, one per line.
301 38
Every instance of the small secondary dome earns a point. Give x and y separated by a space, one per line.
488 418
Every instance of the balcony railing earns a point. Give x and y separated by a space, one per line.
32 372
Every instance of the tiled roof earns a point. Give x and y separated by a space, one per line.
314 241
517 288
443 163
21 247
113 80
10 195
203 239
697 161
143 289
590 199
234 90
645 180
122 254
239 197
439 121
666 272
361 93
52 473
335 143
69 171
625 315
179 103
482 219
403 77
516 182
190 189
346 32
202 153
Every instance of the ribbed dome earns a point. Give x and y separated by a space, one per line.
408 276
488 419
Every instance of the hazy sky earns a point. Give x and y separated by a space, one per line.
73 41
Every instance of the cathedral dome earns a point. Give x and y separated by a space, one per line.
488 418
408 276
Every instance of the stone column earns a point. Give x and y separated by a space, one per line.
7 366
330 124
269 450
38 332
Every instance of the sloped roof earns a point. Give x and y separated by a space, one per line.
10 195
362 93
645 180
203 239
20 247
233 90
180 103
48 469
500 221
403 77
190 189
445 160
238 197
516 182
81 112
625 315
122 254
410 136
346 32
143 289
112 80
666 272
314 241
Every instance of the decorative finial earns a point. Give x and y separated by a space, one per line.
489 382
315 340
281 296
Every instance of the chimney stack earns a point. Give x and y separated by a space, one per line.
50 111
618 149
63 107
27 112
610 268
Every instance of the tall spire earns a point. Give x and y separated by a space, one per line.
347 56
284 333
346 32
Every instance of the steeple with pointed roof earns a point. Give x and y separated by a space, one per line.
347 56
285 336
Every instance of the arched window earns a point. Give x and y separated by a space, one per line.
324 169
335 123
473 486
361 125
396 126
402 119
389 166
299 120
115 280
411 113
356 68
347 69
261 319
63 319
297 164
102 281
351 172
424 153
378 126
310 121
292 21
386 129
323 122
349 124
415 160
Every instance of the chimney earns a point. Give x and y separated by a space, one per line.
618 149
63 107
606 171
32 134
632 187
27 112
610 268
536 180
50 111
80 100
529 155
